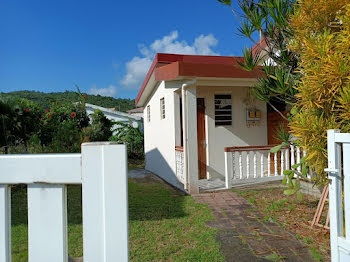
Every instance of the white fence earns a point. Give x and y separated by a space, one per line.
339 194
101 168
252 164
179 159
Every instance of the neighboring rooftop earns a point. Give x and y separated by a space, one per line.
136 110
112 111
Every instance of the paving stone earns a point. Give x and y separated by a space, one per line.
243 233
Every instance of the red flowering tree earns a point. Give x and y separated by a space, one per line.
63 126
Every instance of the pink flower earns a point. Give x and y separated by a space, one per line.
27 110
73 114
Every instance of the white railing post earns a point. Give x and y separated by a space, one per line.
282 162
228 169
275 159
254 162
292 157
268 163
335 193
240 165
248 164
287 159
5 223
105 208
298 159
47 223
262 164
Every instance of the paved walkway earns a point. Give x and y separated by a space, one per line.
245 236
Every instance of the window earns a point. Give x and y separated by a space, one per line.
223 110
162 108
148 113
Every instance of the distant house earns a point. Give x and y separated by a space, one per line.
136 112
117 116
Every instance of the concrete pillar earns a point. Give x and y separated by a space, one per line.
192 149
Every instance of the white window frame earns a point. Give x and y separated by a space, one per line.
162 108
148 113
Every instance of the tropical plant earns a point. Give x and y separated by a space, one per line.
322 39
62 127
132 137
100 128
19 120
269 20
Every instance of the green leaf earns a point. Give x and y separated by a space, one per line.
284 180
304 170
288 172
296 165
289 192
225 2
290 183
275 149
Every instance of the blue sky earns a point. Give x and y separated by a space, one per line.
105 47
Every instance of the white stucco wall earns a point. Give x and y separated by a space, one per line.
160 134
226 136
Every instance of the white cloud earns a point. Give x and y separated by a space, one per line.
108 91
137 67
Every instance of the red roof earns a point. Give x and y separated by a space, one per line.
171 66
261 44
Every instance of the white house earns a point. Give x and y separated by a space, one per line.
195 109
136 111
117 116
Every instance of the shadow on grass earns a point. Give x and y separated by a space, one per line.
148 200
154 200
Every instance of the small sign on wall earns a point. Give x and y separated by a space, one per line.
253 117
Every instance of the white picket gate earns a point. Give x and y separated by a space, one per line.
101 168
339 194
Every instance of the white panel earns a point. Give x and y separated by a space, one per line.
346 163
335 194
105 206
5 223
48 168
47 223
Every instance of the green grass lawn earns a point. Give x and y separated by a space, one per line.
164 225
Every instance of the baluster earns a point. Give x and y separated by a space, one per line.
248 167
287 159
282 162
268 163
233 166
262 164
298 158
292 157
308 173
275 156
254 164
240 165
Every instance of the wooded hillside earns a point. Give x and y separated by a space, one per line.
45 99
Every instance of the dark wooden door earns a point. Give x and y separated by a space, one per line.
274 122
202 156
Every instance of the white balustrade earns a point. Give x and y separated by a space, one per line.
101 168
239 169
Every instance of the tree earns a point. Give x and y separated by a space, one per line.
20 119
322 39
132 137
269 19
100 128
